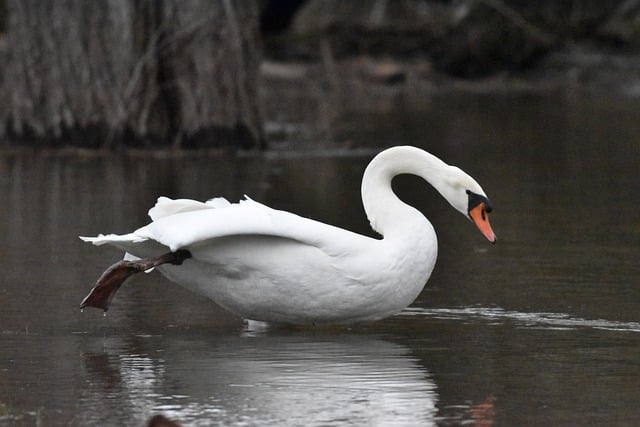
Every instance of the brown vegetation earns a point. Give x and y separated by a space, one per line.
133 73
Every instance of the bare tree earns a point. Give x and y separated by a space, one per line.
147 72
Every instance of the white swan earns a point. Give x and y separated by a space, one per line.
275 266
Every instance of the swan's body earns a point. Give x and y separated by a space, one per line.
275 266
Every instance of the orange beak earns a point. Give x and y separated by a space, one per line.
480 218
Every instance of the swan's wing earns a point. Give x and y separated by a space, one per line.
183 223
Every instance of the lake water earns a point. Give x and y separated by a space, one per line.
542 328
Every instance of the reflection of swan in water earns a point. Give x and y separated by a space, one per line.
276 380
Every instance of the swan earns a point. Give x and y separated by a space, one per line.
274 266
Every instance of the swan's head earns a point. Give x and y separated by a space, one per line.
458 188
466 195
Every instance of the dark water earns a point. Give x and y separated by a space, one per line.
541 329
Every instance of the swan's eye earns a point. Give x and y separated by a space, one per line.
475 200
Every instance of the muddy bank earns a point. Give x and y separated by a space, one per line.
310 101
333 59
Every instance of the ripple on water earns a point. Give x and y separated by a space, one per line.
529 320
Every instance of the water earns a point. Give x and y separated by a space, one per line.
540 329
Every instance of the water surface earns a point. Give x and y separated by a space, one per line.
540 329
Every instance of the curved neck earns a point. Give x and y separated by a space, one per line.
385 211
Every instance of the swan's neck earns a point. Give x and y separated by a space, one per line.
387 214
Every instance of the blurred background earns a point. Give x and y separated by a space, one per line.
106 107
245 75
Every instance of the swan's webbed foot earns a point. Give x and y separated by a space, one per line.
114 276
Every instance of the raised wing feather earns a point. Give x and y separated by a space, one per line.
183 223
166 207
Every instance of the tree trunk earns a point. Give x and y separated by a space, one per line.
145 73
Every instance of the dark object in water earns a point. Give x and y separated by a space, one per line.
161 421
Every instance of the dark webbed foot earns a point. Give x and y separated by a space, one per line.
113 277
